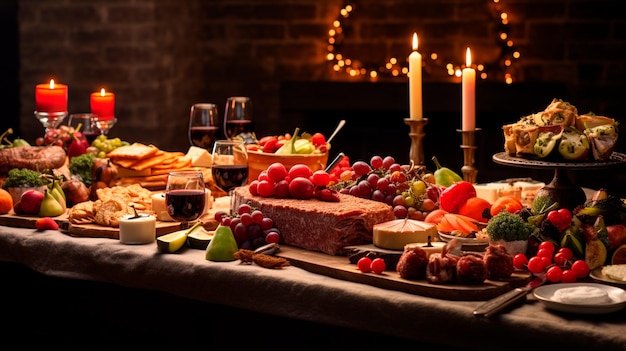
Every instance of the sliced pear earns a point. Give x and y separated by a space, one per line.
548 140
172 242
200 239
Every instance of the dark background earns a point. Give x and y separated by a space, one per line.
159 57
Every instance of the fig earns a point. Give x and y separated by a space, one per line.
595 254
75 191
619 255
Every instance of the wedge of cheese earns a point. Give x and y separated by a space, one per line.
397 233
199 157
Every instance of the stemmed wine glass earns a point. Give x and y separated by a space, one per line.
230 164
104 125
204 125
185 196
238 121
87 124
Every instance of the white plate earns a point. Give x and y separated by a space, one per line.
545 294
598 275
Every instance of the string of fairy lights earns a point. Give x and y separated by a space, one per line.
393 67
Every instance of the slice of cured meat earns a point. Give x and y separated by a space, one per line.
318 225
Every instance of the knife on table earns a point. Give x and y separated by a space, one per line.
499 303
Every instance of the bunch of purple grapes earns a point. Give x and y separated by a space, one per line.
250 227
385 180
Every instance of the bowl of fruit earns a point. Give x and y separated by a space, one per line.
311 150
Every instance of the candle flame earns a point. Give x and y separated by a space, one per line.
414 41
468 58
51 84
102 92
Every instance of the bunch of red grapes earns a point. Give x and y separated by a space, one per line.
385 180
250 227
299 182
61 136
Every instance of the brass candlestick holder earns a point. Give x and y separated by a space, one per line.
469 147
416 153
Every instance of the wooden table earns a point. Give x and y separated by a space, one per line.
293 294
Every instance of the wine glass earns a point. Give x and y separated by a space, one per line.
104 125
50 119
238 121
230 164
87 124
204 125
185 196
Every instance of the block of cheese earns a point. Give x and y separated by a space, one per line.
430 248
395 234
199 157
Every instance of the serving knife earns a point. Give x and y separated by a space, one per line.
499 303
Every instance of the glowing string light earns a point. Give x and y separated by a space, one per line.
394 68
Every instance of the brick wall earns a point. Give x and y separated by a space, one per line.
160 56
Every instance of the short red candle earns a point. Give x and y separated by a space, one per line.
51 97
103 105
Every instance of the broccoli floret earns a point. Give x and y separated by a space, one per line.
509 227
81 167
24 177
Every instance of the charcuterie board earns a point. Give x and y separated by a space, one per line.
339 267
84 230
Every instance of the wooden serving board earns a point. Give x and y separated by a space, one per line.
85 230
339 267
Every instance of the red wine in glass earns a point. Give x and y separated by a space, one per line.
203 136
91 136
235 127
185 204
228 177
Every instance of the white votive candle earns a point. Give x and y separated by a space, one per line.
137 230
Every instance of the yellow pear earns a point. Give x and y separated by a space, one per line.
223 246
50 207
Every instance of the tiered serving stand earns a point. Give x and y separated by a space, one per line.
568 194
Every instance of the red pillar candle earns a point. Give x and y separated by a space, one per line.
51 97
103 104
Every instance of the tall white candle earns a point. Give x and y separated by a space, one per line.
415 82
468 94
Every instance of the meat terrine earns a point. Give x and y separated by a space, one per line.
318 225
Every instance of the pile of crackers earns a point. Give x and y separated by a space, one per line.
147 165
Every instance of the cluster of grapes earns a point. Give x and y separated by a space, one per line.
557 267
102 145
385 180
299 182
61 136
250 227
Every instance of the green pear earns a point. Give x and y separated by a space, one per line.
223 246
57 185
57 193
50 207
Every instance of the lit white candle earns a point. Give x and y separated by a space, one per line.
468 94
415 82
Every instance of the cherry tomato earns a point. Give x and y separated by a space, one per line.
569 276
364 264
566 252
548 245
536 265
520 261
299 170
559 258
561 218
378 265
543 252
276 172
554 274
581 268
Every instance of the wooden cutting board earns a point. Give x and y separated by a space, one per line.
340 267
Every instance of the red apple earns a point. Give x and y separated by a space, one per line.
30 201
617 235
